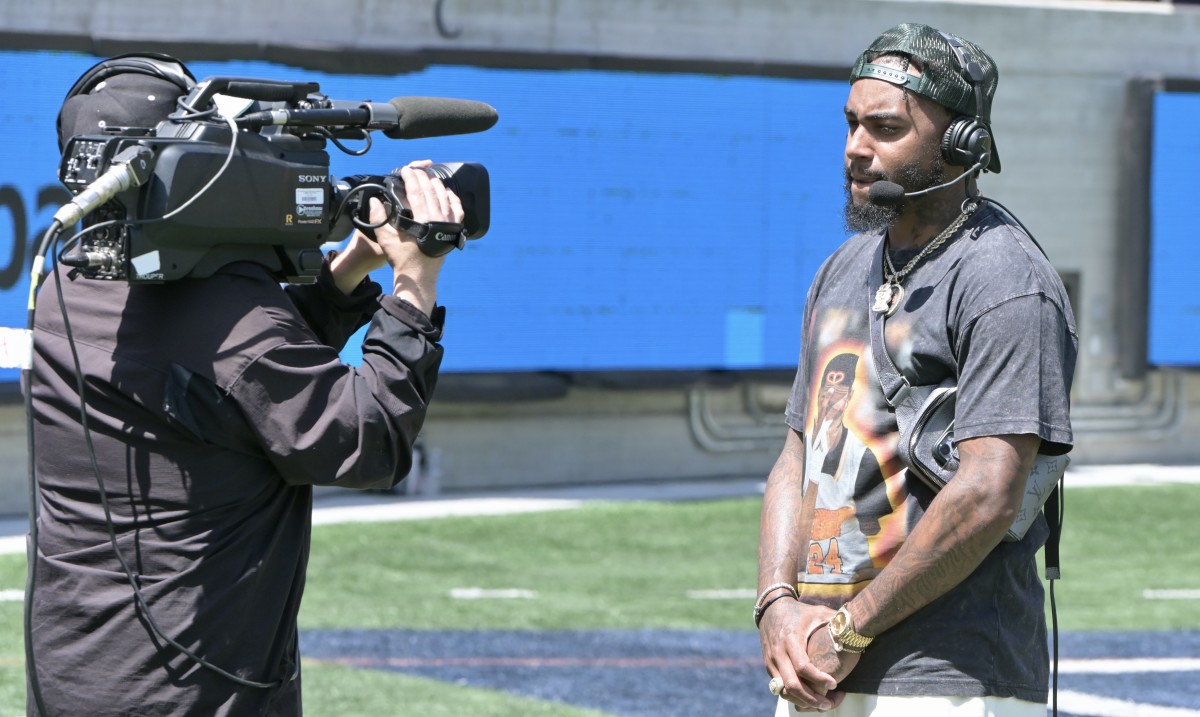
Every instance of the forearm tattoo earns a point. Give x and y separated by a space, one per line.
781 531
962 525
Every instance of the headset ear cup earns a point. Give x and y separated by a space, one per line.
966 142
145 63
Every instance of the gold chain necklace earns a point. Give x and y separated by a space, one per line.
890 292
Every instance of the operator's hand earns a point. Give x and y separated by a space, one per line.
428 197
414 274
353 263
784 633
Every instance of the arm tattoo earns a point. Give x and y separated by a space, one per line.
783 527
962 525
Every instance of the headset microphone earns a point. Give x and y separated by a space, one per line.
889 194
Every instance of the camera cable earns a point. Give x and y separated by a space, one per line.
35 278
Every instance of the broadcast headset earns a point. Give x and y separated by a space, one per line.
967 140
153 64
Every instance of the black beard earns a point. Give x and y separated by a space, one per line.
870 217
867 217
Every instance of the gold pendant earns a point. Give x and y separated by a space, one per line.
888 298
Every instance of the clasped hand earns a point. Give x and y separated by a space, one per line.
798 649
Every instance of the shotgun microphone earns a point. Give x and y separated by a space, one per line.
399 118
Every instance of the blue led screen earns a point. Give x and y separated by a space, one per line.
1174 320
640 221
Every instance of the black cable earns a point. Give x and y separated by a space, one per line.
1054 666
71 241
35 688
1053 573
1021 224
328 135
385 198
192 114
39 258
1054 515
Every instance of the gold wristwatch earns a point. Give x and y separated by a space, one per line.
841 631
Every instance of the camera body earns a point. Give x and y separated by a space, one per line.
275 203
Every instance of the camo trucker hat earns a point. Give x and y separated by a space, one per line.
942 79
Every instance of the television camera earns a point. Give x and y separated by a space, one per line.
240 172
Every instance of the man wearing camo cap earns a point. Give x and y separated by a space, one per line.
936 613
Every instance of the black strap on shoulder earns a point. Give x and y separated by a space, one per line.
1054 516
896 390
895 387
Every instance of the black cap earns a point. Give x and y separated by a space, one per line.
137 90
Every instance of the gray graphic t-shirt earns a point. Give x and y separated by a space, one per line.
988 309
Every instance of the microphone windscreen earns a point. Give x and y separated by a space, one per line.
885 194
439 116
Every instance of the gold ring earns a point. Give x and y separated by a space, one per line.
775 685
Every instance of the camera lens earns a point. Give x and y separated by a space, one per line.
468 180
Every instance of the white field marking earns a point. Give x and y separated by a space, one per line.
730 594
1125 666
1171 594
423 509
12 595
16 348
1105 476
492 594
12 545
1078 703
399 510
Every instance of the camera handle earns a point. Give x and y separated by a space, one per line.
433 238
203 93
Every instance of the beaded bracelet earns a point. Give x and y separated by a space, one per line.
770 589
760 605
758 614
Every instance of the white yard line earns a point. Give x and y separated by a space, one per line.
425 509
356 509
1078 703
13 545
398 510
729 594
1132 474
1127 666
492 594
1183 594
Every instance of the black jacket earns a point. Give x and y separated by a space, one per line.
213 406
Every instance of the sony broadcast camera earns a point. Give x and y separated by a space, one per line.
240 172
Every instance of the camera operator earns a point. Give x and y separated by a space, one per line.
212 407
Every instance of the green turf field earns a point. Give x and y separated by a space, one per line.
632 565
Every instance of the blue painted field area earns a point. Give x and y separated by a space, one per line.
666 673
